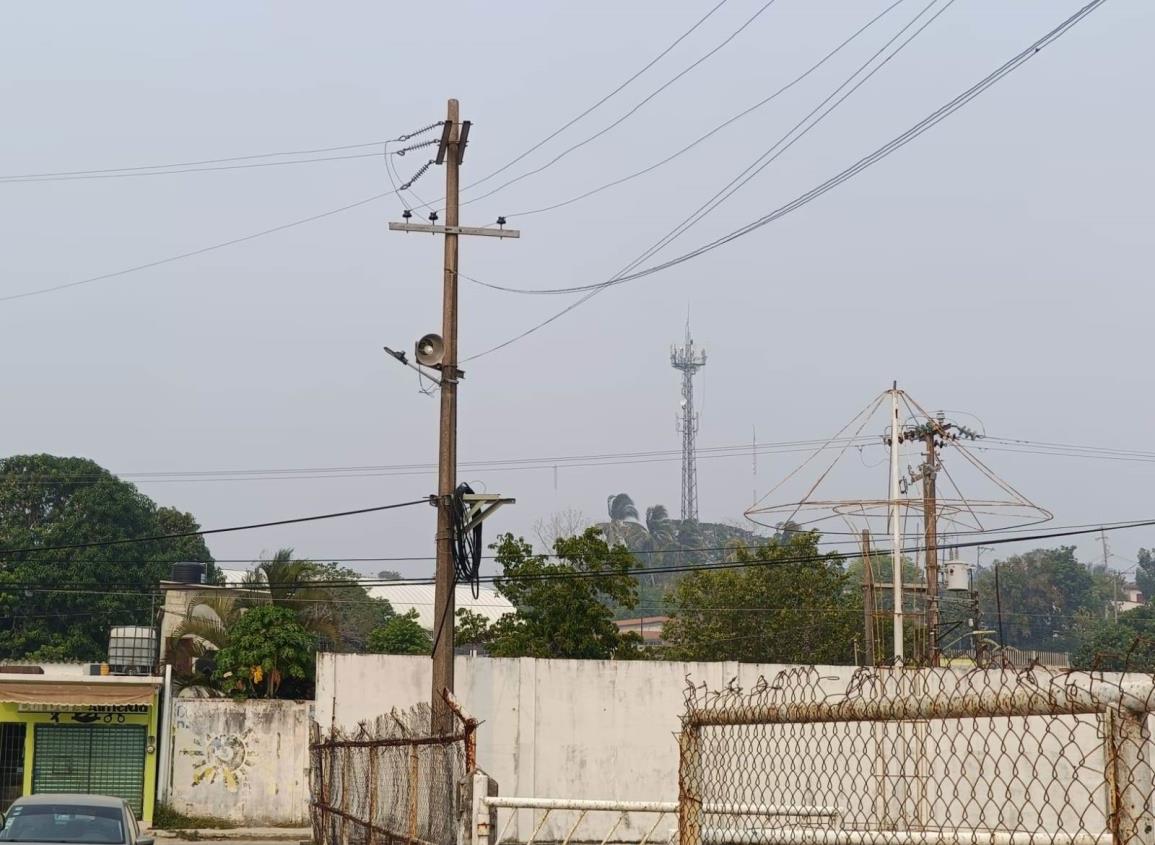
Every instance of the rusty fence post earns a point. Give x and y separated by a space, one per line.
1130 777
414 774
373 786
346 758
689 785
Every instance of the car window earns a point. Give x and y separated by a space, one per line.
64 823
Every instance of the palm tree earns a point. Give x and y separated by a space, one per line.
662 535
623 515
204 630
295 584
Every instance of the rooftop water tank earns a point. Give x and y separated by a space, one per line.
132 650
189 572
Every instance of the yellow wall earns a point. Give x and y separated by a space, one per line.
10 712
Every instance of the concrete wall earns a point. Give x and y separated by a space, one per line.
606 730
551 728
242 761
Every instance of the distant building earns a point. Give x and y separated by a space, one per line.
420 597
1134 599
649 627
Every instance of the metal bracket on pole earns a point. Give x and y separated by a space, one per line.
480 506
431 229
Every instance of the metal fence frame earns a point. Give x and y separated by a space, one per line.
356 817
1122 705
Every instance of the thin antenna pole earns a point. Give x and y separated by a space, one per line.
896 525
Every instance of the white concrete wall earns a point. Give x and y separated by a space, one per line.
242 761
606 730
552 728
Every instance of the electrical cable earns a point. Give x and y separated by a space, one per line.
211 169
865 162
26 177
629 113
195 252
726 563
204 531
535 147
779 148
702 138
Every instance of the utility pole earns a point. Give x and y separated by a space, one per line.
868 599
896 524
930 526
451 151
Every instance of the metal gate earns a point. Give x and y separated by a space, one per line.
101 760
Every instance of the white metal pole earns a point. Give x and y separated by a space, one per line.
896 525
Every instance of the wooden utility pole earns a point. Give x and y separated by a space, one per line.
454 136
868 599
444 604
930 524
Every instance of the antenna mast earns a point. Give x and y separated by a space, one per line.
689 361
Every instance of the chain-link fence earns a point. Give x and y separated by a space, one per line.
389 782
920 757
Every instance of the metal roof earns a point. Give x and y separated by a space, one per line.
405 597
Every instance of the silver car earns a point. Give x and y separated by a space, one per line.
71 819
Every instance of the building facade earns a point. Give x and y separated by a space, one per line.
76 733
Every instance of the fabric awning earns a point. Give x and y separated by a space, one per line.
90 693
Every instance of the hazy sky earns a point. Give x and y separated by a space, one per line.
999 265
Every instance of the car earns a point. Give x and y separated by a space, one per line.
67 819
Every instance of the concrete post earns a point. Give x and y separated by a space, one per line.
1133 782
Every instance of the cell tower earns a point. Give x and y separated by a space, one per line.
689 361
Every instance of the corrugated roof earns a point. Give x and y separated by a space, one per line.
405 597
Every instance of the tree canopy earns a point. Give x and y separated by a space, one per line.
1042 592
48 501
563 600
785 603
401 634
267 647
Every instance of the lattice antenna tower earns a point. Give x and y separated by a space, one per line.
688 360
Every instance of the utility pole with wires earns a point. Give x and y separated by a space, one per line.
459 511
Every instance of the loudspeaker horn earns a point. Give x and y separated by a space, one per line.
430 350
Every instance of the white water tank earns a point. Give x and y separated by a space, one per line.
132 650
958 576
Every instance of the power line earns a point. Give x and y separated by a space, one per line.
195 252
702 138
544 461
706 208
877 155
176 171
535 147
724 563
201 532
146 168
629 113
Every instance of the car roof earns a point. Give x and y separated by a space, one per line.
76 799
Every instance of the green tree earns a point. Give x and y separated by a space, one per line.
355 613
81 593
471 628
563 602
266 647
173 521
1042 592
401 635
787 603
1127 645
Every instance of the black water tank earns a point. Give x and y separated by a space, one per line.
188 573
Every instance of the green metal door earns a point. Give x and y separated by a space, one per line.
97 760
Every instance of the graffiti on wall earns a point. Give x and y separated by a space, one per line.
223 756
